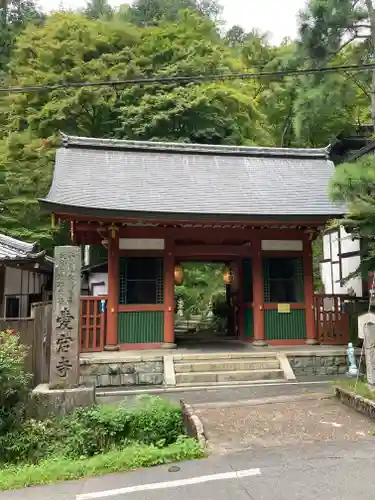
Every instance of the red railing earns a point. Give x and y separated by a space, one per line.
92 324
332 319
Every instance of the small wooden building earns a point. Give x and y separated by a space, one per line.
25 277
157 205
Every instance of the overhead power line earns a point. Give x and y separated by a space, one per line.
190 79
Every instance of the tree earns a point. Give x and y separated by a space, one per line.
354 184
151 12
14 16
221 113
329 27
70 47
98 9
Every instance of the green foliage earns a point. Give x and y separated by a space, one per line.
14 16
202 283
151 12
165 38
14 382
354 184
89 432
131 457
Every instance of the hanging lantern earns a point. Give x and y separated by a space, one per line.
228 276
178 275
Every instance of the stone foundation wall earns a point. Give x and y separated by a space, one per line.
318 364
357 402
128 372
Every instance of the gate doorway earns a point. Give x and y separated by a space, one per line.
207 309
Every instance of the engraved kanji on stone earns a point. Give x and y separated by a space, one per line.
63 341
64 327
63 321
63 366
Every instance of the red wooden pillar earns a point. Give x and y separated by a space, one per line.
169 337
308 273
113 289
258 293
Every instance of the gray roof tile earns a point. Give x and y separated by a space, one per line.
12 249
129 176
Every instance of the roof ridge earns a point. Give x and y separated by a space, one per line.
179 147
14 243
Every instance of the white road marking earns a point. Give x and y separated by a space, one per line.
334 424
170 484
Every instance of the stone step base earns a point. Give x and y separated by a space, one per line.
226 365
222 357
229 376
237 383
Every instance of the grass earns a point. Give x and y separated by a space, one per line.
361 388
132 457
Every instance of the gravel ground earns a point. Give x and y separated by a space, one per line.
238 428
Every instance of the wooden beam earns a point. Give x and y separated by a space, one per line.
113 291
212 250
140 307
169 262
258 293
308 281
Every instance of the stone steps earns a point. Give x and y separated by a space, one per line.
218 368
226 365
236 383
228 376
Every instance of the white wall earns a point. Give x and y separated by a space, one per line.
31 283
335 246
98 278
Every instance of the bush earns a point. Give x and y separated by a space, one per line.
92 431
14 382
28 443
155 421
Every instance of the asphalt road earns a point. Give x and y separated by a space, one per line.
320 471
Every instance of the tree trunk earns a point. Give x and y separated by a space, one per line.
371 15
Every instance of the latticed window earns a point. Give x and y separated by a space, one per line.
283 279
141 280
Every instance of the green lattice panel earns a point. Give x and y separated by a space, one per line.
249 322
247 270
125 271
140 327
285 326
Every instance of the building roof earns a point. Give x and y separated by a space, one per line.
132 178
13 250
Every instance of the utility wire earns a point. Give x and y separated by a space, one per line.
190 79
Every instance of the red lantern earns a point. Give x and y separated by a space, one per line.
228 276
178 275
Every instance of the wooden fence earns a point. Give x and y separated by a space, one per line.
336 318
92 324
35 334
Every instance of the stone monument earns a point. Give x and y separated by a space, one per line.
369 345
63 393
366 331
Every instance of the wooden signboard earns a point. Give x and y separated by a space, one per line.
283 308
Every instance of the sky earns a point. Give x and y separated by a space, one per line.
278 17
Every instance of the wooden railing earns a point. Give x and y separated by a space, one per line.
92 324
336 318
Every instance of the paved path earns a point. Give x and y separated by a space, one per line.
280 421
234 393
318 471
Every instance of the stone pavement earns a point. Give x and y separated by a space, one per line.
278 421
234 393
